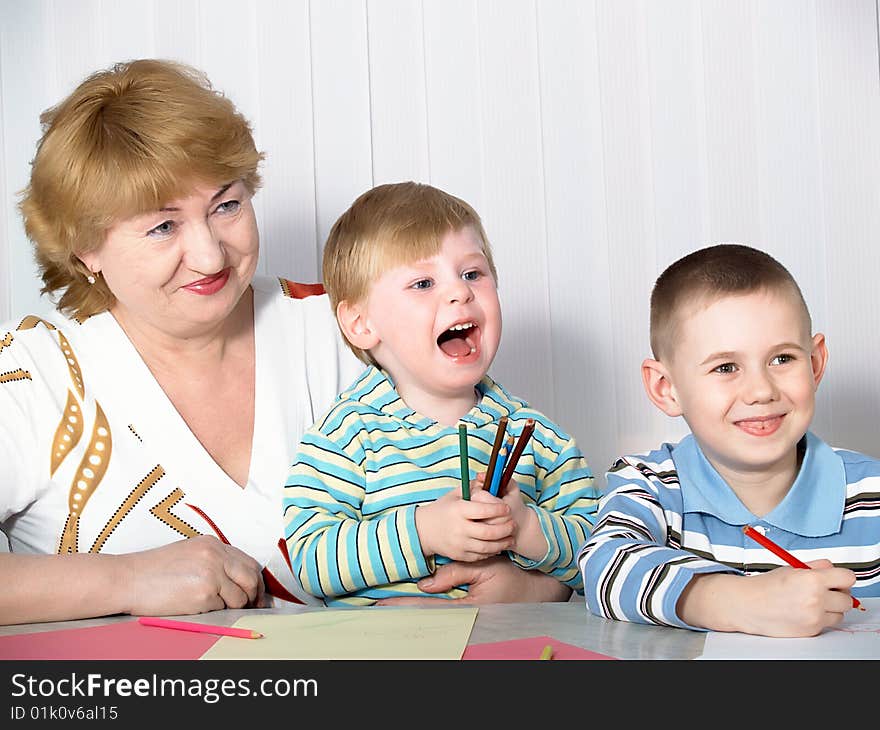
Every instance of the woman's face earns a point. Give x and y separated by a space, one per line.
181 269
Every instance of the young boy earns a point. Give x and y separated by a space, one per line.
734 355
373 500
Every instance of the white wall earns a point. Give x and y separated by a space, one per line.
600 140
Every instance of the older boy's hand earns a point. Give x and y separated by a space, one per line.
458 528
784 602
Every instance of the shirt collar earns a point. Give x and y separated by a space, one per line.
813 506
375 390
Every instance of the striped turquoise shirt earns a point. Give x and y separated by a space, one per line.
668 515
361 471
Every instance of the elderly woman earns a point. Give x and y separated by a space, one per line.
146 428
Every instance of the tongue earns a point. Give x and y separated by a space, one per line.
456 347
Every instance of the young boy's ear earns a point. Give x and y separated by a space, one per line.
659 387
355 326
818 357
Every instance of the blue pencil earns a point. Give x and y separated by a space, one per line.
499 468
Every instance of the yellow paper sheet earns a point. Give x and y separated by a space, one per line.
358 633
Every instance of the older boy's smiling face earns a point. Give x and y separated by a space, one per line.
744 373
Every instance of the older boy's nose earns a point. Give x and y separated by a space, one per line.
759 388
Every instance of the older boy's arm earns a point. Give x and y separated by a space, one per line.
784 602
630 573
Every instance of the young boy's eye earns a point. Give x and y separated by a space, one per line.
165 228
472 275
725 369
422 284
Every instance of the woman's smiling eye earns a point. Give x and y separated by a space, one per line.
165 228
725 369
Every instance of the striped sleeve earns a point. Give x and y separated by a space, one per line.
333 549
566 504
631 569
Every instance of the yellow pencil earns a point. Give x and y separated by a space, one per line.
547 652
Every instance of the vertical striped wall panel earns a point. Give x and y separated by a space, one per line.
599 140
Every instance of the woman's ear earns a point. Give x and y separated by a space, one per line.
91 260
355 326
659 387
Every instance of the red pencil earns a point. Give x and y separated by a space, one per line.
167 623
785 555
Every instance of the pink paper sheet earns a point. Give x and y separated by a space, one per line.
125 640
529 649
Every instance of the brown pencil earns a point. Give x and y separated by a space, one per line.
496 447
517 452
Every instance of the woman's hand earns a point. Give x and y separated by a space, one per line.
190 576
494 580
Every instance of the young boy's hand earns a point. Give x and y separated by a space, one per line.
784 602
465 530
528 539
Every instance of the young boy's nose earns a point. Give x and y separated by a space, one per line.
459 291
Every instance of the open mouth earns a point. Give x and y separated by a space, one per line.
460 340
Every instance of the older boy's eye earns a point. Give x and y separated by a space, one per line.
166 228
422 284
781 359
726 368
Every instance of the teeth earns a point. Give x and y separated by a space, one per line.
460 327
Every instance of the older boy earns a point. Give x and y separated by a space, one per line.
734 355
373 498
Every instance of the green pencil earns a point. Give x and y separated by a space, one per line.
465 470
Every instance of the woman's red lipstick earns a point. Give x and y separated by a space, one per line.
210 284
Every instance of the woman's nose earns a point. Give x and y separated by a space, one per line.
204 249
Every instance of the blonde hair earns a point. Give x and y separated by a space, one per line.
128 140
387 226
706 275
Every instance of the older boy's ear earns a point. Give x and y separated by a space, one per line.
355 326
659 387
818 357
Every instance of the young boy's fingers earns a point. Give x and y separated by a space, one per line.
478 484
492 532
477 509
483 549
484 497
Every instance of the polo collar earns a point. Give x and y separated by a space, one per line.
813 506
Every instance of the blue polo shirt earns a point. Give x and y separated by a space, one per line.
668 515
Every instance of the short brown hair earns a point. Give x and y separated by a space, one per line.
707 274
391 225
127 140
